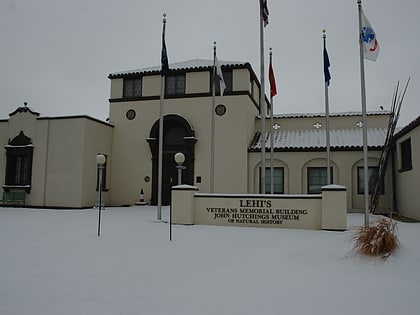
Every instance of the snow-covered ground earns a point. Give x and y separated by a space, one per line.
53 262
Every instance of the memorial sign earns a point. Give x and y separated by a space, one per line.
259 211
318 211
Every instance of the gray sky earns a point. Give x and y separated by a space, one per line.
56 54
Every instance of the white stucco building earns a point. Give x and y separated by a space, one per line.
52 159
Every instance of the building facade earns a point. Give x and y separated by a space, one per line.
52 159
406 163
62 150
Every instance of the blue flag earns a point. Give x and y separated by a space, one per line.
327 74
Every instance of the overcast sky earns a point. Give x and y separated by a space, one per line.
56 54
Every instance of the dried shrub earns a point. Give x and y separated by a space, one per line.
378 240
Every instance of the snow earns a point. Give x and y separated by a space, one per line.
53 262
311 139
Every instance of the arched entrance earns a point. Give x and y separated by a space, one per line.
178 136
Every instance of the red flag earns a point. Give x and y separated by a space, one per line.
273 88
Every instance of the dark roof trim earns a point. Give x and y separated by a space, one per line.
257 196
414 124
157 97
179 69
77 117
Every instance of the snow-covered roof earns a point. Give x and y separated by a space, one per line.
189 64
338 114
403 131
314 140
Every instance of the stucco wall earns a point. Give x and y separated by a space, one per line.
132 156
73 144
407 182
97 139
131 152
63 163
64 168
197 82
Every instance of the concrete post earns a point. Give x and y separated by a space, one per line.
334 207
183 204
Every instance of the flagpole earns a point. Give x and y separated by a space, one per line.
161 113
271 134
213 119
262 98
364 118
327 118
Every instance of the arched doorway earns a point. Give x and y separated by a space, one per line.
178 136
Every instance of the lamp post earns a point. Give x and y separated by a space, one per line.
100 161
180 159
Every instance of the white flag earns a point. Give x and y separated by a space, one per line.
219 75
370 43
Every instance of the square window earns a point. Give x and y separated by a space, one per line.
372 173
175 85
317 177
278 180
132 87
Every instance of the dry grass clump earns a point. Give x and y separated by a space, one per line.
378 240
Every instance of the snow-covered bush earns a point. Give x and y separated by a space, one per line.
379 239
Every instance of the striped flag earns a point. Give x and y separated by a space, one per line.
264 11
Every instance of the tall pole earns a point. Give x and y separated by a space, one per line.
262 99
327 119
161 113
271 135
100 168
160 156
213 120
364 117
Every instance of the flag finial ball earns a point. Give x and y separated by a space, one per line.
324 31
164 15
214 43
